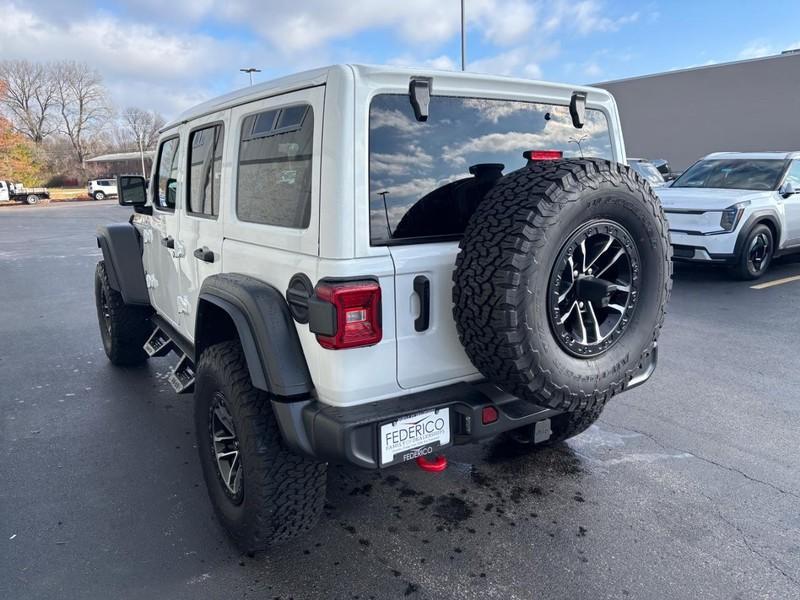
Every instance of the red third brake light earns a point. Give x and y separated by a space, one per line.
543 154
358 313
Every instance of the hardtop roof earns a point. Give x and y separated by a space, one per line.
321 75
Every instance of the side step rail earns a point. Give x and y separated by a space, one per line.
161 343
182 376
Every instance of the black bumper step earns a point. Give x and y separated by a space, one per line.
350 434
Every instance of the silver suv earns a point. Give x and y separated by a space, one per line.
366 265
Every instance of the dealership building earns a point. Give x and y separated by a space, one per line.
680 116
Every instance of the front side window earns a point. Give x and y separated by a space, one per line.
274 178
427 178
167 175
733 173
793 176
205 162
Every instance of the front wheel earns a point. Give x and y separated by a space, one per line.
756 254
262 492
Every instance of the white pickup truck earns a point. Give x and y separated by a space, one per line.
17 192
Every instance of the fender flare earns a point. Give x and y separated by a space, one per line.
758 216
122 253
265 328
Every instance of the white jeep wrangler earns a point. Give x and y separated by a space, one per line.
365 265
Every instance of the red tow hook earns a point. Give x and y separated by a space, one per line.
436 465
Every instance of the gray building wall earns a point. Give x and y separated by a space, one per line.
683 115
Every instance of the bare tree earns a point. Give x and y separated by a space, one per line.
30 97
83 104
143 126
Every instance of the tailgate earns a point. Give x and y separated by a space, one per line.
432 354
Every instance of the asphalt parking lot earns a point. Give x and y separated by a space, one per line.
687 488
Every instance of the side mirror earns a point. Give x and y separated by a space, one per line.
787 189
131 190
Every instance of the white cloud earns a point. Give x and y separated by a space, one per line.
398 165
757 49
587 16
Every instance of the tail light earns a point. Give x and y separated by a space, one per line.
346 314
532 155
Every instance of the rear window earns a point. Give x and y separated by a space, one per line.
735 174
427 178
274 182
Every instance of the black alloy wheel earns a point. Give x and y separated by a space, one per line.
594 288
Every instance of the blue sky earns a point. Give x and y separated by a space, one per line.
170 54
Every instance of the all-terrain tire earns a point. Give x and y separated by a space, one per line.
504 270
123 328
746 269
282 493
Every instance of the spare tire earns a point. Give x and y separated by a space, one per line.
562 281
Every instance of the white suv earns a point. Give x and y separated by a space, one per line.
366 265
738 209
100 189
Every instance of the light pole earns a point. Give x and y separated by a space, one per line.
463 40
250 71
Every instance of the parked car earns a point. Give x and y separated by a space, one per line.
736 209
647 170
317 253
19 193
100 189
664 168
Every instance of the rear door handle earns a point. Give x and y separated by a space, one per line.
422 287
204 254
168 242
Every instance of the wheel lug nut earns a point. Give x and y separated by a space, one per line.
580 304
575 273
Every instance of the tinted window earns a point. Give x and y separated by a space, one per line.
648 171
427 178
793 176
205 161
167 175
733 173
274 182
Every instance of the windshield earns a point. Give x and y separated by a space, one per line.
733 174
427 178
648 171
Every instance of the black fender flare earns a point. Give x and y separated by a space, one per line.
765 215
265 328
122 253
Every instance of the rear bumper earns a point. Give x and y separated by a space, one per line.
350 435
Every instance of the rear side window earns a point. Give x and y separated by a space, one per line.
274 172
427 178
167 175
204 174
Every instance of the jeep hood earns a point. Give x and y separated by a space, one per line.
706 198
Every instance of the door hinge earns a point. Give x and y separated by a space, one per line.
179 251
183 305
150 281
147 235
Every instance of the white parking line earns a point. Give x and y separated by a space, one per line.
769 284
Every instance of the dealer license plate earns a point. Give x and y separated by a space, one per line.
414 436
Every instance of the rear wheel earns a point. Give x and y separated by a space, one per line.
262 492
99 196
756 254
32 199
123 328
